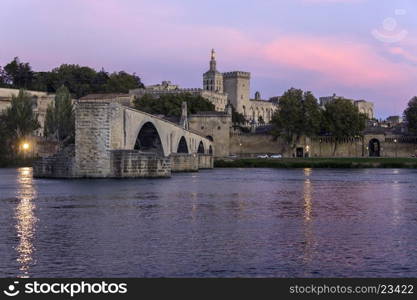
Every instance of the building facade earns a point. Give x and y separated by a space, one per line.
363 106
221 89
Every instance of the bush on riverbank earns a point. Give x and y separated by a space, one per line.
318 163
16 163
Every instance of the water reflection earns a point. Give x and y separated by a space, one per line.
307 194
309 238
26 219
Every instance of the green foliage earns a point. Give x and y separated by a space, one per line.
4 81
60 120
80 80
122 82
318 163
4 139
410 114
18 74
16 122
237 118
342 119
20 120
170 105
261 120
299 114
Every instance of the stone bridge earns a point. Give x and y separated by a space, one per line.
113 140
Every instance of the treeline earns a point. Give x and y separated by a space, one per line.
170 105
410 115
299 115
79 80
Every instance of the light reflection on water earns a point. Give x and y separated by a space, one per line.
26 219
308 226
214 223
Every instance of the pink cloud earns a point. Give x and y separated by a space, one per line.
348 63
332 1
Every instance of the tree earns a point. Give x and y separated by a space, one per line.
4 78
342 119
410 114
170 105
122 82
237 117
299 114
60 120
76 78
19 119
80 80
18 74
261 120
4 140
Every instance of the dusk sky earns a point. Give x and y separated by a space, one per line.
362 49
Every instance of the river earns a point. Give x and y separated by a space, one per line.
214 223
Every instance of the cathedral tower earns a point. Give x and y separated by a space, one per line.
213 79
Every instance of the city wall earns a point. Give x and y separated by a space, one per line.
249 144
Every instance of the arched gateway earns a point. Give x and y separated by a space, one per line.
374 148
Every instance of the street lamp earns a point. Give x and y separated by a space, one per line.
25 146
307 150
395 142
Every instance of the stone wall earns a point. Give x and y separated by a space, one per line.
92 137
60 165
247 144
394 145
237 87
134 164
205 161
184 162
324 147
216 126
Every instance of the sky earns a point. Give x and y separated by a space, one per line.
360 49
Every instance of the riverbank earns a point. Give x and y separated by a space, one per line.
317 163
17 163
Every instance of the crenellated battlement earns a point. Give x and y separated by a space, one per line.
234 74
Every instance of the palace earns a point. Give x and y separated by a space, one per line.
222 89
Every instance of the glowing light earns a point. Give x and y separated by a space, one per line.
25 146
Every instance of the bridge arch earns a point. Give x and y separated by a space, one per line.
149 140
200 148
182 146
